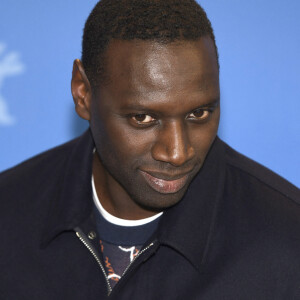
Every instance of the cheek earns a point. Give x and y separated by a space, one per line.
124 143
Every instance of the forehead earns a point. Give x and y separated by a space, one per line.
152 60
154 70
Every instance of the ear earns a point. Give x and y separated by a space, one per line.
81 90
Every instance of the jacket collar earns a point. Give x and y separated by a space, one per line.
186 227
71 204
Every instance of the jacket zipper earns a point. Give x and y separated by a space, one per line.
86 243
139 254
130 264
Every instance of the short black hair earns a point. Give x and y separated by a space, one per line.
159 20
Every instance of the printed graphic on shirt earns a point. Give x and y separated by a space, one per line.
116 259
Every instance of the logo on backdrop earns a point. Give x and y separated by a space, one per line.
10 65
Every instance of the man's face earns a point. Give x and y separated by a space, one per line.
155 118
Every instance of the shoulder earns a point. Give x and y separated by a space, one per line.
28 187
38 167
261 198
26 193
259 175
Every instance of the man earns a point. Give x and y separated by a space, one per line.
149 203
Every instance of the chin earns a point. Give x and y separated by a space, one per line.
155 201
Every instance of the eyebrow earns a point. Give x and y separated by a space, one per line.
140 107
212 103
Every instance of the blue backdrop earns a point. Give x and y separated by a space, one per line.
259 47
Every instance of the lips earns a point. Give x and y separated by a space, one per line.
165 186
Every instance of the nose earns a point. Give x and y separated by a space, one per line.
173 144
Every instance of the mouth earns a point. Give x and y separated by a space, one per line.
165 186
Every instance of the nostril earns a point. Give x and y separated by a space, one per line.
172 145
173 155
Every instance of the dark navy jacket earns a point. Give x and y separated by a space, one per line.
235 234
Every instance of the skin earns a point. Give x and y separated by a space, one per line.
153 121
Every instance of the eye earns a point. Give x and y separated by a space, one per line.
142 119
200 114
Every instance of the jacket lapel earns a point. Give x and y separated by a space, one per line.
71 201
188 226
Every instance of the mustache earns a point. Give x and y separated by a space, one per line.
168 168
